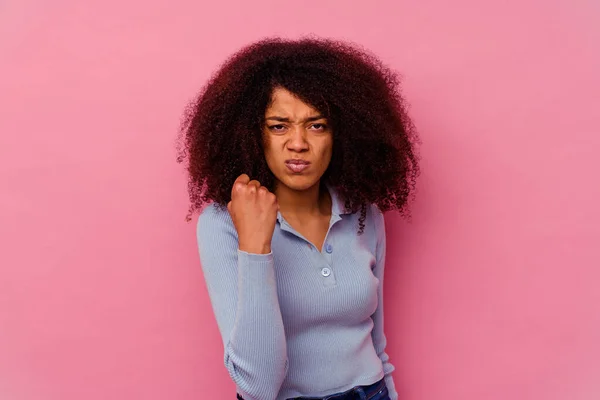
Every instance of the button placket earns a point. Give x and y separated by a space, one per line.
326 270
323 258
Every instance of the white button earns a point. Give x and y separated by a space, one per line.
325 271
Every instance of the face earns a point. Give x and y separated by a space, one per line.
298 141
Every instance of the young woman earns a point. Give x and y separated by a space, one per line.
300 145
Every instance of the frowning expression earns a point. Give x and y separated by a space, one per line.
298 141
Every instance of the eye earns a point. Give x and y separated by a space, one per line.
277 128
319 127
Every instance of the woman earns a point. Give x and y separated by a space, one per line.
300 145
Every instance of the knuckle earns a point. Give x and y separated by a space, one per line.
242 179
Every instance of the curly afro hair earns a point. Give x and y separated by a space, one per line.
374 159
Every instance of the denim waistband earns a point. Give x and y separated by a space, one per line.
356 393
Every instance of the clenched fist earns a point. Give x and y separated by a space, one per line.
253 210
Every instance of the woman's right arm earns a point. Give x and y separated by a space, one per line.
243 294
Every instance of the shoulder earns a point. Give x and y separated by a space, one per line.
375 217
217 240
214 221
377 223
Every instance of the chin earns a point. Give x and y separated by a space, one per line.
298 183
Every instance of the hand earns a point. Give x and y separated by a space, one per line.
253 210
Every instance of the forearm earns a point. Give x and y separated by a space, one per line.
256 353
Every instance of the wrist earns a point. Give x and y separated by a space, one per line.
255 248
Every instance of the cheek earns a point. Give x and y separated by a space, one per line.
327 150
267 145
271 153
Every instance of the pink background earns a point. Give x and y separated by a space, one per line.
491 293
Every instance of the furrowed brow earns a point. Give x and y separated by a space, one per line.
285 119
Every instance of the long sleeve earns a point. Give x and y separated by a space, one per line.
379 338
243 293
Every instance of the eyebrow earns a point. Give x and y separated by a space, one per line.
284 119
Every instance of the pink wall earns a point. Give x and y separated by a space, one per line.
492 292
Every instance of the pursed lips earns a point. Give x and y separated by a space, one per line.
297 161
296 165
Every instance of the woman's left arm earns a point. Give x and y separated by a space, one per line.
379 338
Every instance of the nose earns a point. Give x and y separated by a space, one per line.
297 141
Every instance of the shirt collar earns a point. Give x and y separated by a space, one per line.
337 204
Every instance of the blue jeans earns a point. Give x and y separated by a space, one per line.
376 391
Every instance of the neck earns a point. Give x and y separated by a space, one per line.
311 202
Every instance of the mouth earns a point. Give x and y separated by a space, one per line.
297 166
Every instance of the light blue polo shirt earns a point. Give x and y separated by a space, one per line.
299 321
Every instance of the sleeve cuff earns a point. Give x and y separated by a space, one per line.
254 257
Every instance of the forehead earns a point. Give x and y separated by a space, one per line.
284 102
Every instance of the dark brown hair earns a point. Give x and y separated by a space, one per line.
374 158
